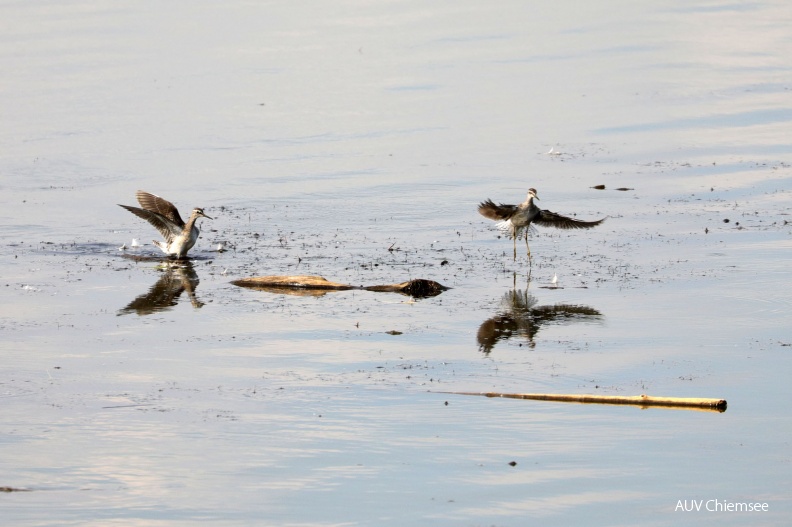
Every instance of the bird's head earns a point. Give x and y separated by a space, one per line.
532 193
198 212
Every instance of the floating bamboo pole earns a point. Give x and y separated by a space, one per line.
637 400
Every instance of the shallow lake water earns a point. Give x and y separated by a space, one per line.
354 140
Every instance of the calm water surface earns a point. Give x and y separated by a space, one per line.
354 140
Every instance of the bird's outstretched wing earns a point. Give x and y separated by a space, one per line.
545 218
490 210
165 226
161 206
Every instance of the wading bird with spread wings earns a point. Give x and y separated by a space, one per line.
516 220
163 215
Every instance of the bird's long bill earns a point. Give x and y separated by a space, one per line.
207 217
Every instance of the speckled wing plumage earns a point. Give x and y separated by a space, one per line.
545 218
160 213
167 228
501 212
161 206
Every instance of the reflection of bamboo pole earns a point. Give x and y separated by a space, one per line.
639 400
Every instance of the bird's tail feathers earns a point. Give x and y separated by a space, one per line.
507 228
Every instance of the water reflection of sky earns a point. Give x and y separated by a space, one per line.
733 120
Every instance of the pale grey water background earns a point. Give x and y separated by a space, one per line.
321 134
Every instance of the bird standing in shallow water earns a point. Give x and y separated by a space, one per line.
516 220
161 213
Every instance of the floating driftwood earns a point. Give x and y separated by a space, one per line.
638 400
418 288
298 285
291 282
317 285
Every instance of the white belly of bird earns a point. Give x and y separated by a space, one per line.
180 244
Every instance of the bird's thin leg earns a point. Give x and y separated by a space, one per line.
527 247
514 237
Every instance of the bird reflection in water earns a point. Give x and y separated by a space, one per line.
177 277
520 316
